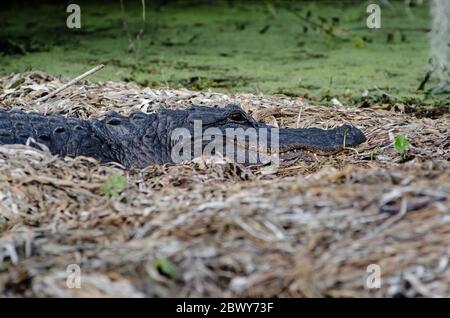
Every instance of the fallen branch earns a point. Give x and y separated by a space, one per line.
75 80
425 80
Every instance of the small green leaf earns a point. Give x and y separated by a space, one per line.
358 42
165 267
401 143
114 185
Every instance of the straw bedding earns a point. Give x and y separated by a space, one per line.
217 229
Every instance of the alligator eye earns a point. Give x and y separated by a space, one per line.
237 117
114 121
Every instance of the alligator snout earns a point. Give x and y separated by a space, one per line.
351 136
319 141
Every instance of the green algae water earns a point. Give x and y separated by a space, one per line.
314 50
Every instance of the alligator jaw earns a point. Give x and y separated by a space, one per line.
300 143
306 143
302 154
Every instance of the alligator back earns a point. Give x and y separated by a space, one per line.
63 136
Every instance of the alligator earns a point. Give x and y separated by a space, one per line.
142 139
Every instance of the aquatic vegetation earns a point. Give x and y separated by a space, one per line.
252 48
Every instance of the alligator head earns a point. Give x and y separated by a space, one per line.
174 135
182 134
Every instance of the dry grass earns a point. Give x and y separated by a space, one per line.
227 230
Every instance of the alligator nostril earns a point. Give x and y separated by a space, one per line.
44 137
114 122
78 127
59 130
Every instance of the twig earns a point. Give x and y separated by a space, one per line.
143 11
425 80
76 79
131 47
299 116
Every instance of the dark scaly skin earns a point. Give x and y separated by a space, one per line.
144 139
63 136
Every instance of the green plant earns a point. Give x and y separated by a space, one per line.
401 144
165 267
114 185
